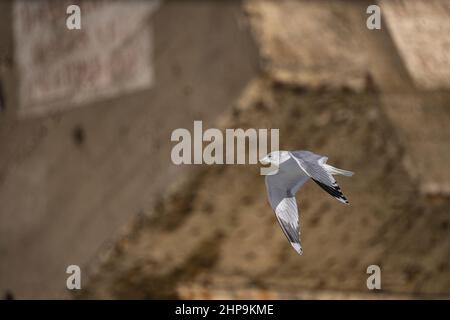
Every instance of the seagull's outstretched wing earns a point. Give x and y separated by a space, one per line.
315 166
281 189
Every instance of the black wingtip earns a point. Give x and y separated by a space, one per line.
333 190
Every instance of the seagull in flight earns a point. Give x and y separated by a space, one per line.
293 169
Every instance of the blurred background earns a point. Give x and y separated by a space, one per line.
86 176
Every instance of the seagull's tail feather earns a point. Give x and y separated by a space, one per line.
335 171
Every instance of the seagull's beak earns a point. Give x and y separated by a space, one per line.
264 161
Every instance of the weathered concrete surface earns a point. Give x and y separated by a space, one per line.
419 110
315 44
69 181
422 123
111 55
420 30
326 45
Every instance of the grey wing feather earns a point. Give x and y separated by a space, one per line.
281 190
313 165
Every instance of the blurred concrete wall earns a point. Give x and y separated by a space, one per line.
70 179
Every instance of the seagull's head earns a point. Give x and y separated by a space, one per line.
275 158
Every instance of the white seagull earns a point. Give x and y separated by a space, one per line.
294 168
